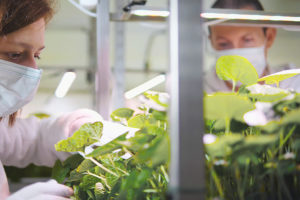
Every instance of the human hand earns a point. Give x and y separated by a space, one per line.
50 190
55 129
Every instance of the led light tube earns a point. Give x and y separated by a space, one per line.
145 86
249 17
65 84
154 13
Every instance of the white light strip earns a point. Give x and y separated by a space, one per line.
65 84
249 17
145 86
154 13
82 9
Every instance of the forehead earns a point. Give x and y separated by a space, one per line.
235 31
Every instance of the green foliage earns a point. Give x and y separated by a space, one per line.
122 114
278 77
85 136
106 173
236 68
255 162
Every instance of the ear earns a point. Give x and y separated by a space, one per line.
270 36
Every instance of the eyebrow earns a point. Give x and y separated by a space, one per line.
26 45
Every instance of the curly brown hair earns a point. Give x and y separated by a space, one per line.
17 14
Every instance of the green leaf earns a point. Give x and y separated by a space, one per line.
85 136
159 115
89 182
156 97
137 121
226 106
266 93
85 166
73 161
157 153
236 68
108 147
292 117
59 172
223 145
137 142
121 114
279 76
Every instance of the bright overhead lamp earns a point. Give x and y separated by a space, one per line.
65 84
250 17
152 13
88 3
145 86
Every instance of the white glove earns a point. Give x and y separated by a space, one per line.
54 130
50 190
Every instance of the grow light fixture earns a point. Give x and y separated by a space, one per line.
152 13
145 86
259 17
88 3
65 84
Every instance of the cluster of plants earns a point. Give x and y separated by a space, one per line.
252 144
133 165
253 140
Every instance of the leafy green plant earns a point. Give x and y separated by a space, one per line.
128 167
250 159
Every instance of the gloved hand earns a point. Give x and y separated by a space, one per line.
50 190
54 130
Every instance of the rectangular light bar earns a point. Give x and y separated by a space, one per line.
259 17
145 86
151 13
65 84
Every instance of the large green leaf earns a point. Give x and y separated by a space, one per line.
236 68
226 106
279 76
85 136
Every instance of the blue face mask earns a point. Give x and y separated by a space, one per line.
18 85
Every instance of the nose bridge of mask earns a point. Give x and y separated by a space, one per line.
18 85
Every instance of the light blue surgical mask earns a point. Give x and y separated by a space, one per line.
18 85
256 55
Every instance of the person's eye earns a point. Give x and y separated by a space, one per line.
248 40
37 56
14 55
223 45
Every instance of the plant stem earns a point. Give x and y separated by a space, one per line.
217 182
102 167
233 85
227 126
101 178
164 173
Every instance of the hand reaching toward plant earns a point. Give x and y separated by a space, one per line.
50 190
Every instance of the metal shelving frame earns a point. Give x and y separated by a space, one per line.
187 167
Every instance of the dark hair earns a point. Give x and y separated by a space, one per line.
238 4
17 14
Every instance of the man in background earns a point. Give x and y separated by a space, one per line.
250 42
